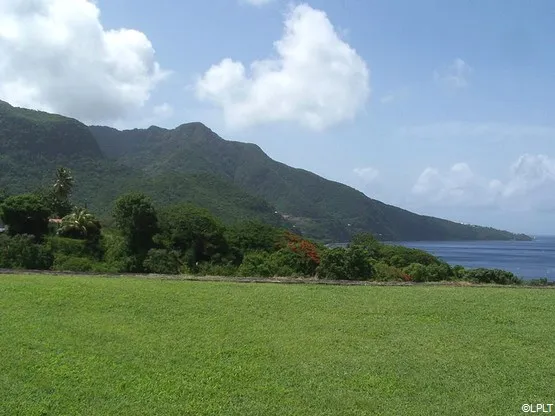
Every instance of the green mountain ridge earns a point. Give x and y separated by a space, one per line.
191 163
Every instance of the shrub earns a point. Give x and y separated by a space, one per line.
162 261
298 256
429 273
538 282
368 242
21 252
214 269
78 248
254 236
496 276
116 252
287 262
386 273
418 272
333 264
193 231
136 219
256 264
73 264
353 263
25 214
459 272
400 256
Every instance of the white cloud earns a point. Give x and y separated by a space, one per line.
458 186
529 186
56 56
454 75
368 174
316 79
465 130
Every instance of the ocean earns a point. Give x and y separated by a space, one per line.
526 259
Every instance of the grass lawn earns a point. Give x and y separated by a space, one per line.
129 346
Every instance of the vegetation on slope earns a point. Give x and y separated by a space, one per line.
184 238
34 144
322 209
192 164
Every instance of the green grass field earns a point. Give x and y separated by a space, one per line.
129 346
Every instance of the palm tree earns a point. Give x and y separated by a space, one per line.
64 184
79 224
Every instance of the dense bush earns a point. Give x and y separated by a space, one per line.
256 264
162 261
497 276
254 236
430 273
137 221
386 273
538 282
368 242
194 232
301 255
25 214
187 239
353 263
115 252
22 252
76 247
459 272
73 263
418 272
400 256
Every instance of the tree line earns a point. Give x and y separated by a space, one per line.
45 231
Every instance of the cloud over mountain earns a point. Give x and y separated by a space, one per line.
315 78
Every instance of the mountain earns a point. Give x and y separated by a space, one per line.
33 144
29 133
321 208
191 163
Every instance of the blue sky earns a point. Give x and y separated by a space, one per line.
443 108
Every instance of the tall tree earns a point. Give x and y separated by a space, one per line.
64 184
193 231
136 219
26 214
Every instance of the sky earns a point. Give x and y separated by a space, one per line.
441 108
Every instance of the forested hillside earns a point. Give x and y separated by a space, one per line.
321 208
191 163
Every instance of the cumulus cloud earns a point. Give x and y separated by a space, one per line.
455 75
528 186
458 186
368 174
315 79
56 56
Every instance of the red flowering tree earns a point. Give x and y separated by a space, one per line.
306 254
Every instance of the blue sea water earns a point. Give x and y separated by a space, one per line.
526 259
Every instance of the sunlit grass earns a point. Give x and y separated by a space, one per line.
124 346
